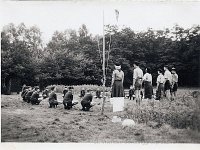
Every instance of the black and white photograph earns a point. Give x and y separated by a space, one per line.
100 72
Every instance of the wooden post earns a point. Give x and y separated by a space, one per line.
104 75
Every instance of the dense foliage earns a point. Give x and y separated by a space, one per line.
75 57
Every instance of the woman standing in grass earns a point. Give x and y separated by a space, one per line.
117 82
148 89
174 83
160 85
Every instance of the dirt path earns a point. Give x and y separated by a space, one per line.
23 122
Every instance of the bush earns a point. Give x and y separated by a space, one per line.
183 112
77 88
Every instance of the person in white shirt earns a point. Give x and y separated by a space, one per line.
117 82
148 89
168 82
174 83
160 85
137 81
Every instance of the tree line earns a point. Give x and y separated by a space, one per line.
75 57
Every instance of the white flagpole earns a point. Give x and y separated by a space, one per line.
104 75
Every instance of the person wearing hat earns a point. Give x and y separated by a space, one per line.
174 83
167 82
137 81
86 101
35 97
68 98
117 82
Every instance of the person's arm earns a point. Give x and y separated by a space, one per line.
113 78
122 77
134 78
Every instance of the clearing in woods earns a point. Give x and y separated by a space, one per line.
23 122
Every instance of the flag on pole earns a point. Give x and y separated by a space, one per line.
117 14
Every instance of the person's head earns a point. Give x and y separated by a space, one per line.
131 87
30 88
37 89
117 66
98 89
66 87
53 88
89 90
82 88
70 89
166 67
135 64
148 70
173 70
160 71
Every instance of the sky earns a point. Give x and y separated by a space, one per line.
50 16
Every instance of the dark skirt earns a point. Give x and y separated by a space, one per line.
167 85
117 89
175 87
148 90
159 91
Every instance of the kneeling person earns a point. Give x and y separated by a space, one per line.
53 98
68 98
35 97
86 102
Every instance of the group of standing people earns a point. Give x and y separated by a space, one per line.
167 83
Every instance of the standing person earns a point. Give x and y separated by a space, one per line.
53 98
35 97
160 85
174 82
167 83
137 81
68 98
86 102
131 92
148 89
117 82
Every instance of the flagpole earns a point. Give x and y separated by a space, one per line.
104 75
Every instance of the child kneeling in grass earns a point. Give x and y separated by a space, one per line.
68 98
86 102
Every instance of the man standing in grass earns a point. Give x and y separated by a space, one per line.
167 82
174 83
137 81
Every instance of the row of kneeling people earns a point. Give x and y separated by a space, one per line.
32 95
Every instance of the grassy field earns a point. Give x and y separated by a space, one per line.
23 122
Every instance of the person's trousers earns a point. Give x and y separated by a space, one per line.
86 106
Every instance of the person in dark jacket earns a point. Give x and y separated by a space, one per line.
45 93
29 94
86 102
35 97
131 92
68 98
24 92
82 94
53 103
65 91
98 93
